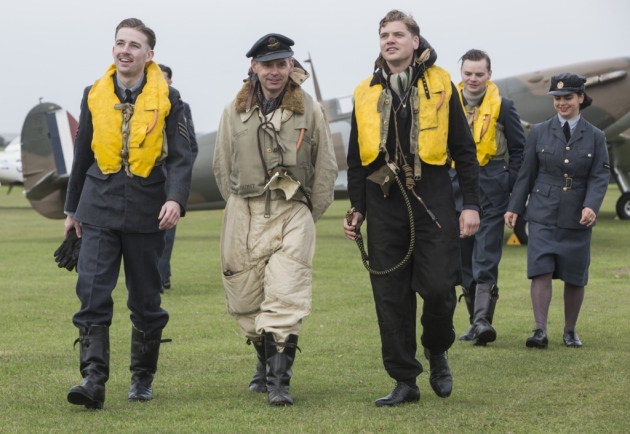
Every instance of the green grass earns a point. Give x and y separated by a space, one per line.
201 384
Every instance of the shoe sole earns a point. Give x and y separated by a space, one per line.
441 395
406 401
281 404
81 399
487 336
532 344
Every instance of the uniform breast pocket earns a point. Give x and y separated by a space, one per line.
585 158
545 153
289 146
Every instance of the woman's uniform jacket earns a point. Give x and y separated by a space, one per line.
561 178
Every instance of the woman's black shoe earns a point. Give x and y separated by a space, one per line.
537 340
572 340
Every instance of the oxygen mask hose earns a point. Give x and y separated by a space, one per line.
412 237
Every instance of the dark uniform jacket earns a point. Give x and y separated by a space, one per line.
118 202
561 178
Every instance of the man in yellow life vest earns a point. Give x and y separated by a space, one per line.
129 183
407 121
496 127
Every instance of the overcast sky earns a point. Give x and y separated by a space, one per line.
54 48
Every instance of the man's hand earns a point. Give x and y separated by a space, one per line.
510 219
351 228
468 223
69 224
169 215
67 255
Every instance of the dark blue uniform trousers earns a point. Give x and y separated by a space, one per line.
165 259
99 266
481 254
433 270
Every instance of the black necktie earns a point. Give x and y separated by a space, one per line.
567 131
128 96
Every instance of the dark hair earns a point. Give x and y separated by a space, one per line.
134 23
476 55
406 19
587 100
166 69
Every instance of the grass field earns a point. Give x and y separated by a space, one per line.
201 384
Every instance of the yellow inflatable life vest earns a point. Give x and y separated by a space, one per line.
372 107
146 133
484 127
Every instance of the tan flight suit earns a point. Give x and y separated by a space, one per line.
267 260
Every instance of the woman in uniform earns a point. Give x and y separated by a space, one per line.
565 174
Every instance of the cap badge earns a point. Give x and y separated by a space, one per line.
560 85
273 43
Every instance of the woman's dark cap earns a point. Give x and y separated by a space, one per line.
566 83
271 47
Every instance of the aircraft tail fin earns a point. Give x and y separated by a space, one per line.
47 154
46 185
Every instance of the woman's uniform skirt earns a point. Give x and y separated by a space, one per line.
564 252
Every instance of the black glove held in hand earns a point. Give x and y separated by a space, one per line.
67 255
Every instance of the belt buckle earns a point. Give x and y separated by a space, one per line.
568 184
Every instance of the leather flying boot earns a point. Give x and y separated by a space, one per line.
279 368
145 350
94 366
402 393
469 297
259 380
484 310
441 379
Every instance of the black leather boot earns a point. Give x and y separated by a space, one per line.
469 298
145 350
279 368
94 366
485 302
441 379
259 380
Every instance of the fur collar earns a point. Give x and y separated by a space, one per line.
293 99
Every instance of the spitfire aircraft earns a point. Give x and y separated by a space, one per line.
11 164
48 132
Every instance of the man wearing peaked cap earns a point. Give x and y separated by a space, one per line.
271 47
275 166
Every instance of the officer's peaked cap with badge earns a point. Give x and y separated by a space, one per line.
567 83
270 47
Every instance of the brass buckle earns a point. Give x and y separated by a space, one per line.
568 184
